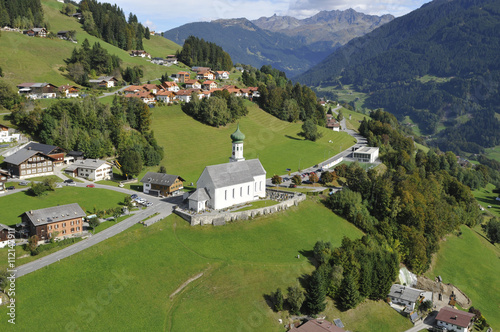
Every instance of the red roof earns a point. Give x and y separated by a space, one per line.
454 316
150 86
169 84
165 93
133 88
191 81
317 325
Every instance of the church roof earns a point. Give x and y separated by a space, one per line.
230 174
199 195
237 136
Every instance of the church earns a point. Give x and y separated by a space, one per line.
224 185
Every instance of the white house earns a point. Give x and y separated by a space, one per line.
91 169
222 75
170 86
37 90
8 134
165 96
366 154
405 295
237 182
454 320
105 81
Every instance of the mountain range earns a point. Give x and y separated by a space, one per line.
286 43
438 64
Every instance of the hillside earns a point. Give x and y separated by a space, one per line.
286 43
437 64
26 59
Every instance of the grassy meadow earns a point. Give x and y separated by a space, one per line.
190 145
26 59
486 197
12 206
134 273
471 263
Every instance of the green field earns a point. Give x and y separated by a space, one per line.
486 197
12 206
356 117
493 153
242 262
26 59
190 145
472 263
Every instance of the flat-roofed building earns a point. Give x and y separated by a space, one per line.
366 154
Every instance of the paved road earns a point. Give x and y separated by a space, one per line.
429 322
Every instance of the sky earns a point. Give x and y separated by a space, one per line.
163 15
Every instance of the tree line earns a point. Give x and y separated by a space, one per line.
96 129
198 52
108 22
283 99
358 269
22 14
218 110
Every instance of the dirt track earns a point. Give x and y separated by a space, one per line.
446 290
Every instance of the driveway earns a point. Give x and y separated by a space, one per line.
429 322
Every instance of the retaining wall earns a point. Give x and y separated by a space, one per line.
221 218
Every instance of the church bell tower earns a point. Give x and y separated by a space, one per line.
237 137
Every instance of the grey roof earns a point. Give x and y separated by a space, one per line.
234 173
89 163
2 227
103 78
54 214
43 148
405 293
199 195
160 178
20 156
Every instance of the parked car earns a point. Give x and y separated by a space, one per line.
10 188
71 183
24 183
134 196
149 204
293 185
68 181
91 185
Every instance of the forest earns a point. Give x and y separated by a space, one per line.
218 110
283 99
403 211
21 14
198 52
91 62
96 129
108 22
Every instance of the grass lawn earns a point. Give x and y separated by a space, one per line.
486 197
23 256
109 223
356 117
493 153
41 178
422 147
258 204
12 206
472 263
275 142
133 274
369 316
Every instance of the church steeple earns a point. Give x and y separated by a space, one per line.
237 137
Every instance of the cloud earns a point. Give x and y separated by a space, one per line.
307 8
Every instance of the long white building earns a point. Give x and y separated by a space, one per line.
224 185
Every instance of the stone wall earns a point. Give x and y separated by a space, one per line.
221 218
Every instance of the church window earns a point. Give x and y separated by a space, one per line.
233 192
225 195
260 185
241 191
248 191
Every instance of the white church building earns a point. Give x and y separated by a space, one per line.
224 185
